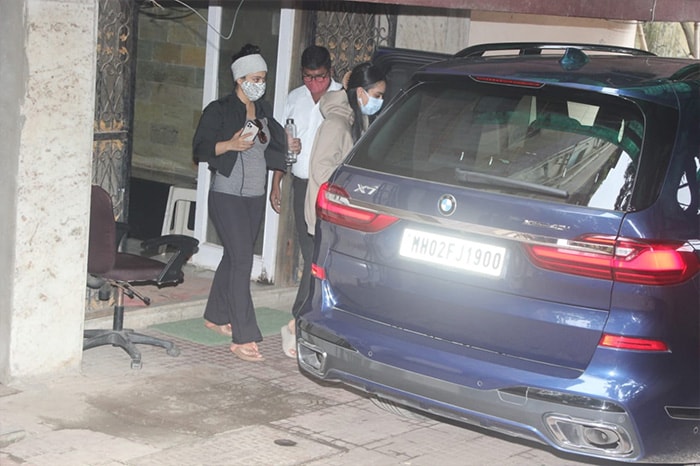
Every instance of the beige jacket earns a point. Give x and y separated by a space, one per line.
332 143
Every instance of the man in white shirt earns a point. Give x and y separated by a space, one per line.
302 106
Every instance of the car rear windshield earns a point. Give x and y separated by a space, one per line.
576 147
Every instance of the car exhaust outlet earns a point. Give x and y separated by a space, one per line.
311 357
601 438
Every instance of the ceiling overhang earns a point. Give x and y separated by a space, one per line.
642 10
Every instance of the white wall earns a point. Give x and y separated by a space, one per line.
13 73
503 27
47 74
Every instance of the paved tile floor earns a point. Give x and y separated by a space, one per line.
205 407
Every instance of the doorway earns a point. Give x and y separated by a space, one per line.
183 64
231 26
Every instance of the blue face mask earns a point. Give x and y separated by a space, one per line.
372 106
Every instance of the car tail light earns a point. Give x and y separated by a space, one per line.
622 260
318 271
333 205
632 343
506 81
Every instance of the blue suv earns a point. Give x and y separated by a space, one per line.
515 243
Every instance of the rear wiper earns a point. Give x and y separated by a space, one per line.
471 177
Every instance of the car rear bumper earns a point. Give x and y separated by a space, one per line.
571 424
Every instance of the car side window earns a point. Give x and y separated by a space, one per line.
688 187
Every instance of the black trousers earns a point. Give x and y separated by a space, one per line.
237 221
306 241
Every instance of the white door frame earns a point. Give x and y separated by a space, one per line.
209 254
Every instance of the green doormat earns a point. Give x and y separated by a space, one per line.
269 320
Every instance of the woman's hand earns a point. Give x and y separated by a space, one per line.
236 143
239 143
276 191
275 198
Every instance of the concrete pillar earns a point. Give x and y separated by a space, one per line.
47 77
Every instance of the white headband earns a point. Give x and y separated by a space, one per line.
248 64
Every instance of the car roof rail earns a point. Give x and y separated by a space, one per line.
536 48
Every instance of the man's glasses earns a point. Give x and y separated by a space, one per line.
262 137
313 77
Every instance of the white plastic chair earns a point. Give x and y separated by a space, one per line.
177 211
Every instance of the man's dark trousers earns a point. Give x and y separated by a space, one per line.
305 240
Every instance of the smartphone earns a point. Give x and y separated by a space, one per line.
249 131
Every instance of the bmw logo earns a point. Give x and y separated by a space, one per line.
447 204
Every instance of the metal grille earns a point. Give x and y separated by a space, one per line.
352 31
116 45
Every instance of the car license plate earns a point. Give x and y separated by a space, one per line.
473 256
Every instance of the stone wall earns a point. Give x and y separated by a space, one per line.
443 31
169 82
170 77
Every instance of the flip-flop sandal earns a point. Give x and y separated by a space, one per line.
289 342
247 354
224 330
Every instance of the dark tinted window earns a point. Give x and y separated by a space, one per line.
576 147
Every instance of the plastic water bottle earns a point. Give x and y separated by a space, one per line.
291 130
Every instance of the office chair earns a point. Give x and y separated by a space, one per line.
122 271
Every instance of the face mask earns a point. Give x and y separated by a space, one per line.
317 86
372 106
253 90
